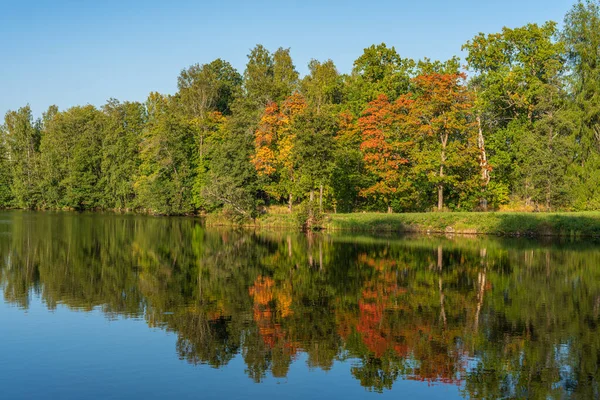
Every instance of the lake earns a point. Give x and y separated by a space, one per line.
122 306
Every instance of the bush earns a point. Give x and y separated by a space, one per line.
308 216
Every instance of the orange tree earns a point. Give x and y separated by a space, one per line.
274 147
385 145
445 155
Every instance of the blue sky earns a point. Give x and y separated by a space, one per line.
79 52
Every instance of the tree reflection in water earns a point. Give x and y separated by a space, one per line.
498 318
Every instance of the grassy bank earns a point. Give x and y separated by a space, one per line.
267 221
498 223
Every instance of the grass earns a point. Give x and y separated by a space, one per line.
569 224
499 223
271 220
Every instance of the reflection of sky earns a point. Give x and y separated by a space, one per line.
563 359
69 52
72 355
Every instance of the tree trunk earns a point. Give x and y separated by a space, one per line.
548 195
442 303
390 209
485 173
290 202
548 181
321 254
481 280
310 250
311 212
440 266
483 163
444 141
321 198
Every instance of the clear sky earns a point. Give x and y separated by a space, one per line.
74 52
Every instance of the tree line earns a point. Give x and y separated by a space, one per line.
517 126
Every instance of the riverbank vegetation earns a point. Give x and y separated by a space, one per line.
497 223
571 224
518 127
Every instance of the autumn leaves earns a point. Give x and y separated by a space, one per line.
424 140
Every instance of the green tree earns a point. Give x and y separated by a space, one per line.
258 76
313 150
5 173
232 179
379 70
22 137
71 150
168 160
269 77
285 76
121 152
208 87
323 85
206 94
581 35
522 112
348 175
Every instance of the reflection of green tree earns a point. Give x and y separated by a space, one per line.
378 373
202 340
542 339
82 266
524 315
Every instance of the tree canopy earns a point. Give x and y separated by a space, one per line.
518 127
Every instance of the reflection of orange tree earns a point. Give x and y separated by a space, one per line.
265 295
374 303
405 317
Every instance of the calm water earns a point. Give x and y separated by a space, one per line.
104 306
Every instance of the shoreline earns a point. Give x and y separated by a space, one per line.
510 224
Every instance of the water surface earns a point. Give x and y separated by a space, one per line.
109 306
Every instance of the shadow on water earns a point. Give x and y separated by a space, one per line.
497 317
497 223
548 224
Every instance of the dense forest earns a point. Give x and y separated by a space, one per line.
516 127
